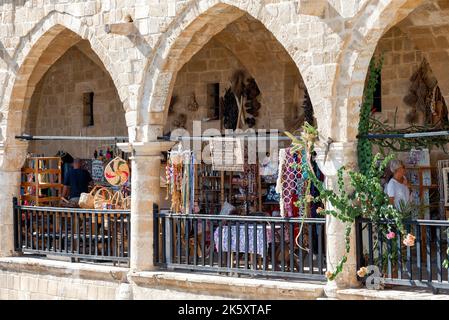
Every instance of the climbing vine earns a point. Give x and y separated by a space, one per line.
369 124
358 195
364 146
400 144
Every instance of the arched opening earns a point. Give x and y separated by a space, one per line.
247 39
244 45
48 98
75 97
198 80
60 87
408 120
412 96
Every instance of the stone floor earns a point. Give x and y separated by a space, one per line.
33 278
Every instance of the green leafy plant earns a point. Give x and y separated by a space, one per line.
358 195
397 144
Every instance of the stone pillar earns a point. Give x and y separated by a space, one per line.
11 162
145 191
339 154
9 186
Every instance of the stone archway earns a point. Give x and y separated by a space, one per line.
187 34
47 42
41 48
196 25
244 44
355 57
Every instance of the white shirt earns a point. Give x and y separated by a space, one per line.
398 191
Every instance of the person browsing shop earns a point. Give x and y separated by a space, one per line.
76 181
398 188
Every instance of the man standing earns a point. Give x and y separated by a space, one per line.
76 181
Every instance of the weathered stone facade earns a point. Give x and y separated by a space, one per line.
330 42
57 106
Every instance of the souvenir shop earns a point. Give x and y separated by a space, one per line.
43 178
233 180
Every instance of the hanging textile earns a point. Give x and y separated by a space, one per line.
291 182
181 182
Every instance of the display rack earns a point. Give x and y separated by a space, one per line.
210 188
213 188
423 183
41 181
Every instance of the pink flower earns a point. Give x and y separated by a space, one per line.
362 272
409 240
391 235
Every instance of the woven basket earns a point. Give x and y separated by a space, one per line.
102 197
87 199
117 201
116 172
127 203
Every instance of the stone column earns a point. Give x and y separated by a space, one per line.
11 162
339 154
145 191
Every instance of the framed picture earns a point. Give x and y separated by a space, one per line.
446 186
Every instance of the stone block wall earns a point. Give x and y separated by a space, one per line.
28 286
401 60
57 106
27 278
243 45
402 52
212 64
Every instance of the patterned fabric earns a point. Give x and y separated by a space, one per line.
291 184
242 239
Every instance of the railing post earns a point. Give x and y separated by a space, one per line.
359 243
17 232
156 234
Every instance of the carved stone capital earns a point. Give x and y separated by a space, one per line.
142 149
339 154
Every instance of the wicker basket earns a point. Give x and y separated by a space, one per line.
102 198
116 172
127 203
117 201
87 199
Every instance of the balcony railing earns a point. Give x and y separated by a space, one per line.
254 245
420 265
77 233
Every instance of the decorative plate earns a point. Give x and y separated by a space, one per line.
117 172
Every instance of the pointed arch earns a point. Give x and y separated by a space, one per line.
43 45
376 18
187 34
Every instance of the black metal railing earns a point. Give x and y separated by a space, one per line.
254 245
420 265
77 233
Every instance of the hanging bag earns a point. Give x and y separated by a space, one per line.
103 198
87 199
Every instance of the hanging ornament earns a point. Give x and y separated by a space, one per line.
193 105
117 172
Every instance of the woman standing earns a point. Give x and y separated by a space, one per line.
398 188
